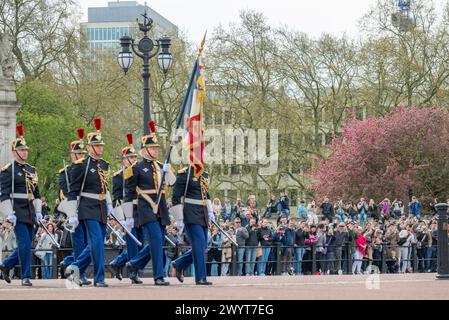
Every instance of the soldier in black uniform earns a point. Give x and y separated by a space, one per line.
21 205
191 201
129 157
88 181
78 236
142 183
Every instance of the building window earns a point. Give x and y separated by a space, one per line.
96 34
235 169
109 34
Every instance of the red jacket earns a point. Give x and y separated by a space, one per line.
359 242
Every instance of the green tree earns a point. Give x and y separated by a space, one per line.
50 125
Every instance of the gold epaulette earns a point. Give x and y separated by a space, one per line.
79 161
63 169
117 172
129 172
29 165
107 162
6 167
183 170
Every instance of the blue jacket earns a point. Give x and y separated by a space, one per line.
414 207
302 211
290 235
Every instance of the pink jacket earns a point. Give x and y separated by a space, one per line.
359 242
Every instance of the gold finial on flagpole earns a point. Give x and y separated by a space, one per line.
200 50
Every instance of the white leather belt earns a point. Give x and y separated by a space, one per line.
194 201
134 202
95 196
149 191
22 196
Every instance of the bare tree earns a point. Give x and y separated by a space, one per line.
41 32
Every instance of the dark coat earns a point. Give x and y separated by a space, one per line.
300 237
24 209
89 209
142 175
262 232
193 213
253 239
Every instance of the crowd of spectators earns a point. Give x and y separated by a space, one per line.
352 237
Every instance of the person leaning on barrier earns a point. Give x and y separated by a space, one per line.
300 238
21 205
252 246
264 235
227 251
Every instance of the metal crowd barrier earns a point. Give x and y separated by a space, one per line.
310 263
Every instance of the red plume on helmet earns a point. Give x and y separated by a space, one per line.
80 133
152 126
19 129
129 137
97 124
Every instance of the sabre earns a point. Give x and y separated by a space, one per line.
51 236
67 228
119 237
224 232
169 241
126 230
68 190
66 176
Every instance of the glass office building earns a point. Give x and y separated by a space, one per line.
106 25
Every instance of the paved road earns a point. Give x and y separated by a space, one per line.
409 286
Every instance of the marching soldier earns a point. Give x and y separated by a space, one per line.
90 203
191 202
79 237
22 206
129 158
142 183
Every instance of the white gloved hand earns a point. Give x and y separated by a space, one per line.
12 218
110 209
73 222
166 167
211 216
39 216
129 224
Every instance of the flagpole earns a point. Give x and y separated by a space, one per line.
178 123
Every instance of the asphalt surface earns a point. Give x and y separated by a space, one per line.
386 286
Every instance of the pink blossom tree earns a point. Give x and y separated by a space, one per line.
403 153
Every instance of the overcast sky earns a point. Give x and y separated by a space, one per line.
311 16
